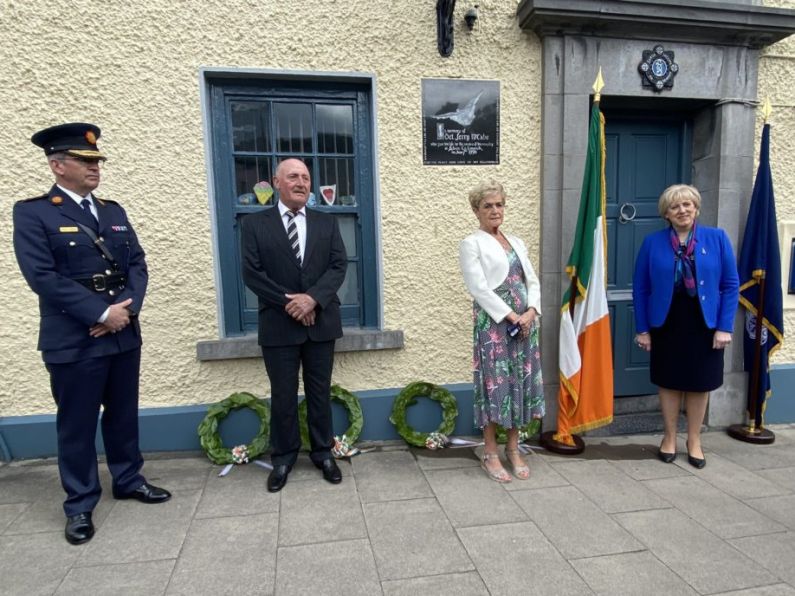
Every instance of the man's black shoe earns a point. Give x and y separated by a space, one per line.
79 528
278 478
331 470
146 493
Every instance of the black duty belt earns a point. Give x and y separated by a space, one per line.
100 282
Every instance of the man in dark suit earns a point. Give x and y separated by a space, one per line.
81 256
294 261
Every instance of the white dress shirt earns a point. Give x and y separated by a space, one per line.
300 224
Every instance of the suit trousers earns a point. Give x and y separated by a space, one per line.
79 389
282 364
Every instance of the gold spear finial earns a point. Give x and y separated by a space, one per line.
597 85
766 109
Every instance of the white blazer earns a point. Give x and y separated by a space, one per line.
484 265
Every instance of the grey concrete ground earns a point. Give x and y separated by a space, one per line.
614 521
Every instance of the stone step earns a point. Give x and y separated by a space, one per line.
634 423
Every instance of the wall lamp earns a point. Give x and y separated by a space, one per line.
471 17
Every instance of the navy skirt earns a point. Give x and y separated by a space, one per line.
682 357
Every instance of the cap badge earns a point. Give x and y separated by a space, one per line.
91 137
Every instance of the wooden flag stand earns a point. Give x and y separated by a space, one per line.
754 432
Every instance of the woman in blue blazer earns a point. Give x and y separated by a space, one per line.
685 291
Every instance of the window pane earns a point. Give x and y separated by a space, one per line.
249 171
251 299
334 129
250 131
349 292
336 181
348 232
293 127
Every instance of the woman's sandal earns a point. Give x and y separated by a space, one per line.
521 472
500 475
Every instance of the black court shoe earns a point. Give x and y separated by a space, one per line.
696 462
666 458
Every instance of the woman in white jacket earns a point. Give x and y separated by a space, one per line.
506 303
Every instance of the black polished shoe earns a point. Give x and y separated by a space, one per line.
278 478
331 471
696 462
667 458
146 493
79 528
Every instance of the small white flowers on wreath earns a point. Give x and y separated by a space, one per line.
436 440
240 454
342 447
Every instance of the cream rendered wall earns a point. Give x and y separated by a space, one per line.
776 72
132 67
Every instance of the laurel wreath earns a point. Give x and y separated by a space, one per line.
408 397
210 438
352 406
525 432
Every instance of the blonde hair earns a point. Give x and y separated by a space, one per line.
483 190
678 192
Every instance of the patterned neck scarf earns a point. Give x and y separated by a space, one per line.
684 272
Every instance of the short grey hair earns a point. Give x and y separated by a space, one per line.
483 190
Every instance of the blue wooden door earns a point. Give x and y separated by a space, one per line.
644 156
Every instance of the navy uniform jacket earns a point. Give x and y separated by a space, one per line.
271 270
52 251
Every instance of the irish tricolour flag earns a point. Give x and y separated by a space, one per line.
586 359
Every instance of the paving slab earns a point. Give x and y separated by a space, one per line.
752 457
389 476
130 579
783 477
542 475
608 487
33 564
47 515
648 468
781 509
142 532
413 538
26 483
736 480
10 512
222 496
470 498
461 584
185 473
320 512
518 559
630 574
228 555
775 552
574 525
342 568
699 557
445 459
715 510
774 590
305 470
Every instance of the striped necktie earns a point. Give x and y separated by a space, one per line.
292 234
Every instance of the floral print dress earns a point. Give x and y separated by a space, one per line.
507 370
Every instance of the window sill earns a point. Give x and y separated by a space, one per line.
353 340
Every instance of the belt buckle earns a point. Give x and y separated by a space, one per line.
100 285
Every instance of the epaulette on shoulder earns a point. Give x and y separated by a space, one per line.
103 201
38 198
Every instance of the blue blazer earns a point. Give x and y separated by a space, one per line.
717 281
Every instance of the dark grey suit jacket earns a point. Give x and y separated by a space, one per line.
271 270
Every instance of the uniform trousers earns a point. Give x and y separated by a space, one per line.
282 364
79 389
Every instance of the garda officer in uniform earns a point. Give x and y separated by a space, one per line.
81 256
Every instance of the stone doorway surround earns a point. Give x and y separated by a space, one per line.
717 47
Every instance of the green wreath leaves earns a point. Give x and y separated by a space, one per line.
530 429
408 397
351 404
210 438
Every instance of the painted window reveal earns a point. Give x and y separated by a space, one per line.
328 126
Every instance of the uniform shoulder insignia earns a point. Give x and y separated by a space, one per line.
104 201
38 198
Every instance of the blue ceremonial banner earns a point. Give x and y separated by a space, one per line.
760 286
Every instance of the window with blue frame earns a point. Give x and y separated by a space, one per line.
255 125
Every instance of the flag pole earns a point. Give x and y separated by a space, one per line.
754 432
547 439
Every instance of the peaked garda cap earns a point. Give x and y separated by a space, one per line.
75 138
